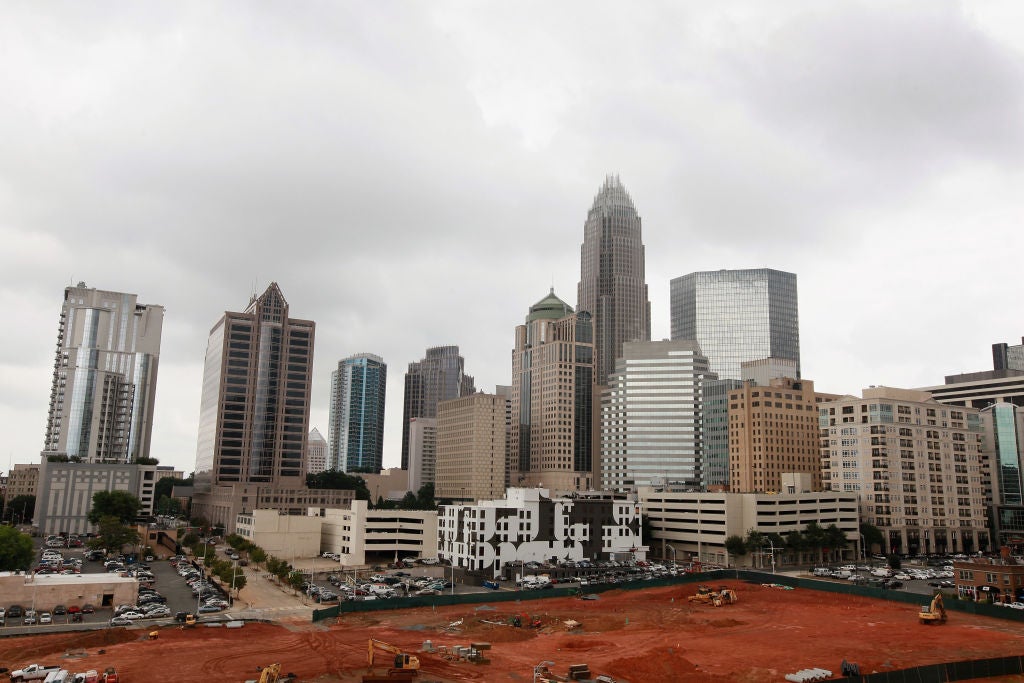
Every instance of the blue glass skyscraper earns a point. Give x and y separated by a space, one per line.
356 431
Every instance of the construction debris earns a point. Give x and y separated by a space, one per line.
809 675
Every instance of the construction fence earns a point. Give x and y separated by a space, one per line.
949 671
560 591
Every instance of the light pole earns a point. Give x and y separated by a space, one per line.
669 546
771 546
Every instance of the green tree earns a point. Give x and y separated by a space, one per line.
872 537
258 555
20 509
120 504
165 505
16 551
296 579
894 561
814 538
408 501
112 535
835 540
336 479
425 498
735 545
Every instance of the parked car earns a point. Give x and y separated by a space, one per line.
45 618
120 621
88 609
16 611
60 610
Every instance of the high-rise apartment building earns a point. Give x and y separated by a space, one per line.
737 316
651 417
439 376
773 430
254 415
613 286
316 452
917 465
552 398
104 377
471 451
356 431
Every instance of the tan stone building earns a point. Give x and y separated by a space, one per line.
917 465
23 480
45 591
471 450
553 413
363 536
773 429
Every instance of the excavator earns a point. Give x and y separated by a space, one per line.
402 662
270 674
935 613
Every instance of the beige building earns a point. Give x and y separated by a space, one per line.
316 452
46 591
390 484
694 526
916 464
362 536
282 535
553 412
471 451
773 429
23 480
422 451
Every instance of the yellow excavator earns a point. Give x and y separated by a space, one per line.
401 661
935 613
270 674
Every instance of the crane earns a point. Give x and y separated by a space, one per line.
402 661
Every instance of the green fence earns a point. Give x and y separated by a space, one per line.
843 587
946 673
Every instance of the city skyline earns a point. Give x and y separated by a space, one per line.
873 151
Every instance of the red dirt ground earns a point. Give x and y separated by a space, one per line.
635 636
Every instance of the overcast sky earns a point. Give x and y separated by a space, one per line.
415 174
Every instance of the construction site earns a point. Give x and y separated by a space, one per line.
730 631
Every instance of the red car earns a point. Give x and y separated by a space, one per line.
74 609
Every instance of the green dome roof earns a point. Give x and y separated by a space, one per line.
549 308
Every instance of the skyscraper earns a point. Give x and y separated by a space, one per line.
316 452
254 415
651 417
552 398
439 376
104 377
612 286
737 316
356 430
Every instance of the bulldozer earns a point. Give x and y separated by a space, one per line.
726 596
704 594
935 613
402 662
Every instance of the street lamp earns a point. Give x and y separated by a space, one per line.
669 546
771 546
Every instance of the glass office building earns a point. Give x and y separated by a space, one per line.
737 316
439 376
356 431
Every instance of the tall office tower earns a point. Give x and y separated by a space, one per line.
651 417
356 431
104 377
471 451
1006 357
440 376
254 414
505 392
715 430
316 452
1003 425
738 315
773 430
422 452
552 398
612 286
916 465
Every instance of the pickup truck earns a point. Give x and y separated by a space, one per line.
33 672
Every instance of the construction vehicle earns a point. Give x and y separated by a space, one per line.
726 596
935 613
703 594
402 661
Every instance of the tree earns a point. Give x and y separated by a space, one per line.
20 509
296 579
425 498
118 504
112 535
165 505
835 538
16 551
258 555
336 479
735 545
814 537
872 537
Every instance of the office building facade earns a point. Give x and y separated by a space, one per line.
773 430
651 417
552 398
737 316
316 452
104 377
439 376
613 286
254 414
356 432
422 452
471 448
